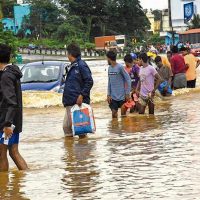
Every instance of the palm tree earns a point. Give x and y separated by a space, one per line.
195 22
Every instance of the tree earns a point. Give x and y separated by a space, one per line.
91 12
127 17
158 15
195 22
7 37
6 8
45 17
72 28
102 17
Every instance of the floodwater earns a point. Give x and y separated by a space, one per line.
137 157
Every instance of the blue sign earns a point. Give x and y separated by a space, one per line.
188 11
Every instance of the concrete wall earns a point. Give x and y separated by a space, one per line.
177 7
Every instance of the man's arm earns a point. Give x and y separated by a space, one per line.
138 87
127 80
87 80
170 77
172 65
158 81
9 93
198 63
109 91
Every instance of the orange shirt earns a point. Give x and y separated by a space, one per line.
191 61
165 61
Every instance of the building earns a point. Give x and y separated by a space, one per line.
192 35
20 11
165 21
150 17
177 13
15 24
155 25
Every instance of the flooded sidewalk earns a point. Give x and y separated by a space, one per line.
138 157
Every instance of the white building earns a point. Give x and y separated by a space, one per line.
177 13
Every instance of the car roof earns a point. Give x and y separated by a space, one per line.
45 63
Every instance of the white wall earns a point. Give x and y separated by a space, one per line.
177 8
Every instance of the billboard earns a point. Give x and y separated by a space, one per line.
188 11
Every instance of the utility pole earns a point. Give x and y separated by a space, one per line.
170 21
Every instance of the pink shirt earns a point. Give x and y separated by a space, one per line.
147 78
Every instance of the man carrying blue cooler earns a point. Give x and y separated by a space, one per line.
10 111
166 74
78 85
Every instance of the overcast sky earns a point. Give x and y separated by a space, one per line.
154 4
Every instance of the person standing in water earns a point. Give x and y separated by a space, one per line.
149 82
78 85
119 85
179 68
166 75
191 63
10 111
133 70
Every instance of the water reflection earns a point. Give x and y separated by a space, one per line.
11 185
80 175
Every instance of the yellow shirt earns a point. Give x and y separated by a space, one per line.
191 61
165 61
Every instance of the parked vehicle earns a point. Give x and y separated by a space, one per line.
44 76
195 49
110 42
32 47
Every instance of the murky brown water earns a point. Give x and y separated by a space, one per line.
138 157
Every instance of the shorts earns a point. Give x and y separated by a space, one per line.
144 101
13 140
115 105
67 124
191 84
180 81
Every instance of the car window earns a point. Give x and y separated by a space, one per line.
40 73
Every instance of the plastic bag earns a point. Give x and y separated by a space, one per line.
82 119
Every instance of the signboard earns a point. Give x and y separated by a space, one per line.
188 11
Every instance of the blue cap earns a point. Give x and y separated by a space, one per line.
134 56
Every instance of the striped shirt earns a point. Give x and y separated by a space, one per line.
119 83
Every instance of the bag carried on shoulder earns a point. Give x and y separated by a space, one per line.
82 119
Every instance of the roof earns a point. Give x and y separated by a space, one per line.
191 31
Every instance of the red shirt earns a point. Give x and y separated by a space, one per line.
178 64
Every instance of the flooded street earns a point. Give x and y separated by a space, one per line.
138 157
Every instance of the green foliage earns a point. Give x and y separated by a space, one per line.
7 8
105 17
127 17
56 24
157 14
7 37
156 39
45 18
195 23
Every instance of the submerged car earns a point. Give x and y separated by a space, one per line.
195 49
44 76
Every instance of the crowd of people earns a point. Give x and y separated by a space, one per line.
132 86
174 71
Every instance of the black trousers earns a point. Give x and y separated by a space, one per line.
191 84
